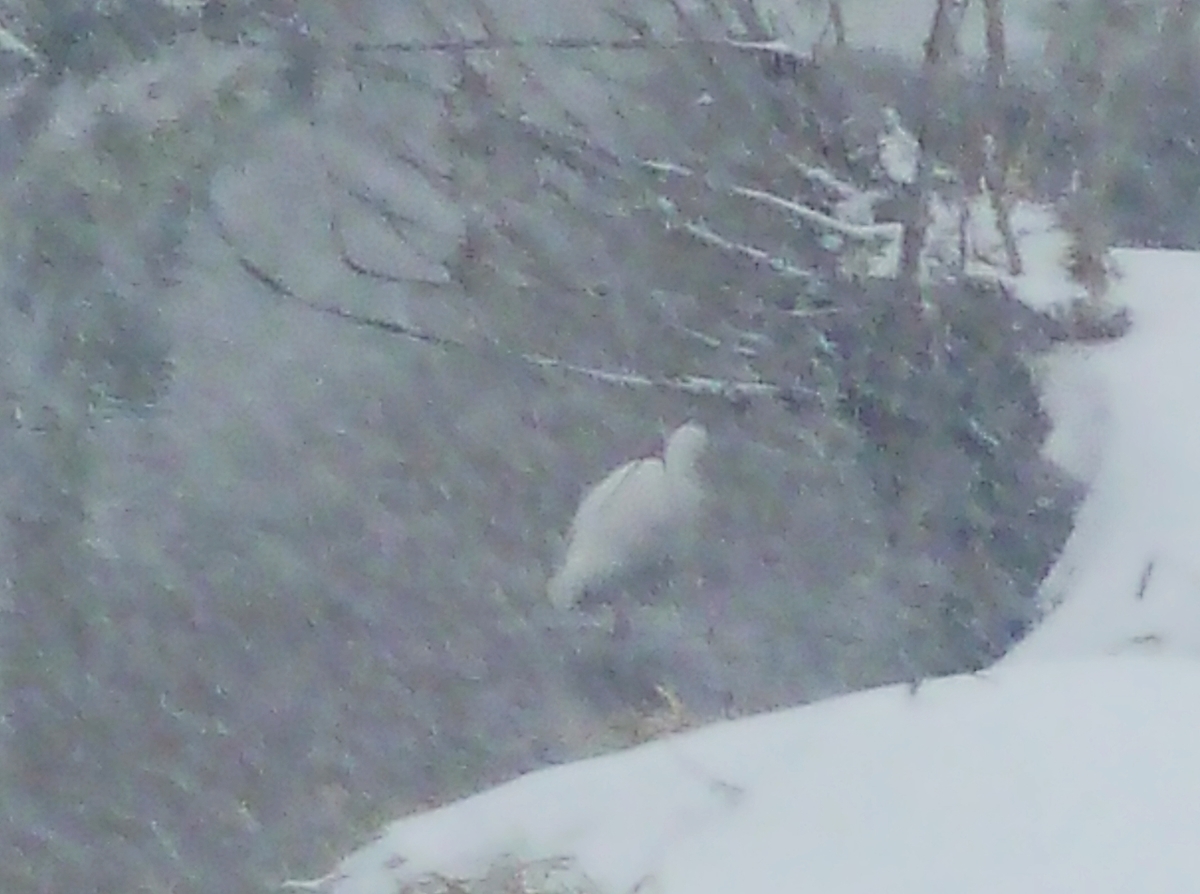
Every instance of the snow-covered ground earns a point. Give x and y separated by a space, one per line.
1129 418
1071 766
1068 777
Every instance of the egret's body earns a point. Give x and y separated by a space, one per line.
641 516
899 151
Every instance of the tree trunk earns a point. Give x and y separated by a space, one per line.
1088 207
940 48
996 160
838 21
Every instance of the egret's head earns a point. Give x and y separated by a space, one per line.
685 446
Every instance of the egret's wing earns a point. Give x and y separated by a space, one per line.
604 502
630 519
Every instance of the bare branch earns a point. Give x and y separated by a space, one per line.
10 43
838 23
317 884
666 167
823 177
695 385
864 232
621 44
709 236
706 234
728 389
940 48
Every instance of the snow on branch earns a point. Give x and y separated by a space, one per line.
457 45
665 167
863 232
319 885
777 46
843 189
729 389
705 234
10 43
777 49
695 385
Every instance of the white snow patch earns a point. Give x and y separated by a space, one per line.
1075 776
1127 415
1075 397
1044 282
899 152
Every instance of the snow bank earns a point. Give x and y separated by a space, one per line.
1127 416
1071 776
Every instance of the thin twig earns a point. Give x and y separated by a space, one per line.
458 45
728 389
707 235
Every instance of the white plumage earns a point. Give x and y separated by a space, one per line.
899 151
643 513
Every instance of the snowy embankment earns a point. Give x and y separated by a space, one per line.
1067 767
1072 776
1128 418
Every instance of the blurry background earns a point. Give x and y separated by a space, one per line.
318 317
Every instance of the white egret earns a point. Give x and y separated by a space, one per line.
899 151
641 516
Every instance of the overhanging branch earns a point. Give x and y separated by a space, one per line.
729 389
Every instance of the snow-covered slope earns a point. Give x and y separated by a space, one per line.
1070 776
1128 416
1072 766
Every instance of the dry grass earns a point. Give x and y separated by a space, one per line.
507 875
670 716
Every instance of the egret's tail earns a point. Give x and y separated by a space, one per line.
561 590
